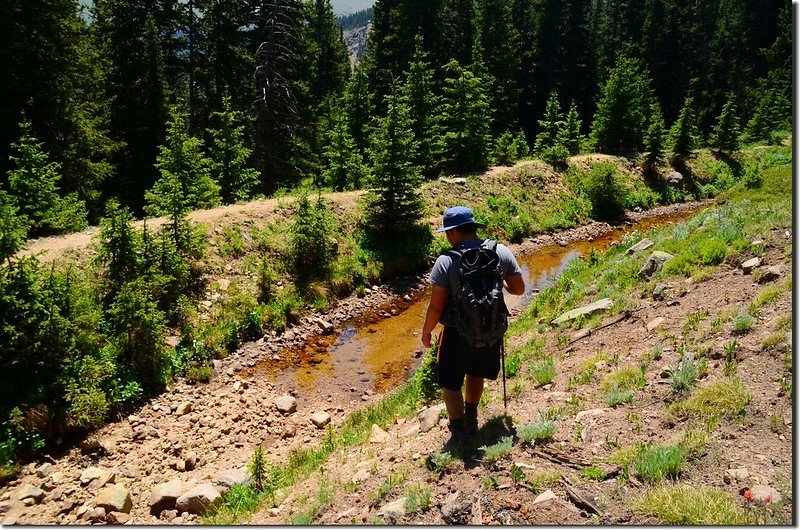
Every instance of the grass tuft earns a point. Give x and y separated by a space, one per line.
501 449
543 371
683 504
654 465
725 398
627 378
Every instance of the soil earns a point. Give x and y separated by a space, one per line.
236 411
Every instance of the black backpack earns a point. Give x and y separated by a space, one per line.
478 305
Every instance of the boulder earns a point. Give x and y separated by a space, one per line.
749 265
320 419
286 404
644 244
654 264
736 474
658 292
599 305
115 499
674 177
198 499
45 470
590 412
325 326
377 435
770 274
547 495
98 474
429 417
29 491
392 512
229 478
164 496
183 408
765 494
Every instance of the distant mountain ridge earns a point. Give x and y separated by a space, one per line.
345 7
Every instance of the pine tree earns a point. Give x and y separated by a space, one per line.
620 121
33 184
465 120
569 135
395 206
725 136
682 135
344 165
229 156
13 228
358 109
655 138
550 126
423 105
185 182
332 66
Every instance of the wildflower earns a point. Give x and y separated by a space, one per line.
748 496
767 499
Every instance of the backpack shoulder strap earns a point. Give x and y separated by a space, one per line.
489 244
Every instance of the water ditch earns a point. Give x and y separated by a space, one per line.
378 354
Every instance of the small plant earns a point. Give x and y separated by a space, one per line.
388 484
615 396
635 421
258 469
702 368
742 323
513 362
693 443
494 452
627 378
538 432
593 473
654 465
439 463
542 480
418 499
684 374
516 473
776 422
725 398
657 352
543 371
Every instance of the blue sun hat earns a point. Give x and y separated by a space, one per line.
458 216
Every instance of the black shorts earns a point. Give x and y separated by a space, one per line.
456 358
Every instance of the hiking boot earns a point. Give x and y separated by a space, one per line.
456 428
470 422
471 417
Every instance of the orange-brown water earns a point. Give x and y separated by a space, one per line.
376 353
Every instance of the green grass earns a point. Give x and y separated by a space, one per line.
683 504
654 465
541 480
418 499
725 398
543 371
440 463
592 473
387 485
626 378
771 293
616 397
497 451
539 432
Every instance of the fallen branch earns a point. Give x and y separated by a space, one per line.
624 316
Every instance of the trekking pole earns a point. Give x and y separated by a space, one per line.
503 366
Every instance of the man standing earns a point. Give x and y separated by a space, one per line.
457 359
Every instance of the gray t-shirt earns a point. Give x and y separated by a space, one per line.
440 275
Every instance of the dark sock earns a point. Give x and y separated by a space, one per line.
470 409
457 424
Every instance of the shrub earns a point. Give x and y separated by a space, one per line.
605 190
684 374
312 244
592 473
418 499
712 252
541 431
513 362
440 462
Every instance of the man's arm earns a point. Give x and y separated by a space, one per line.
514 284
436 306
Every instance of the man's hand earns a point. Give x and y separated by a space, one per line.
426 339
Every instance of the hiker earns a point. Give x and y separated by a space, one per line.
457 356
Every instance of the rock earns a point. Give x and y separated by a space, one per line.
67 506
183 408
45 470
599 305
325 326
117 518
590 412
320 419
9 520
361 475
654 264
190 462
168 515
456 512
653 324
453 180
289 431
29 491
392 512
164 496
229 478
286 404
770 274
217 364
115 499
765 493
644 244
198 499
674 177
736 474
90 445
429 417
98 474
95 515
377 435
5 506
548 495
749 265
658 292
